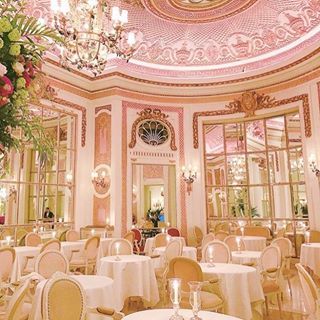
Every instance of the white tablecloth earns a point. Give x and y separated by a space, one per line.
161 314
98 290
19 263
189 252
253 243
149 245
310 257
246 257
133 275
240 286
68 246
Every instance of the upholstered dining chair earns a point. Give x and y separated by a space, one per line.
207 238
18 307
231 242
220 252
50 262
88 258
130 236
189 270
72 235
32 239
57 305
173 250
221 235
270 264
120 247
173 232
198 235
314 236
310 292
53 244
7 257
161 240
138 247
285 246
280 233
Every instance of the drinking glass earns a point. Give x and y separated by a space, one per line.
175 297
195 298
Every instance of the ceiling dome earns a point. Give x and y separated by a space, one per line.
197 40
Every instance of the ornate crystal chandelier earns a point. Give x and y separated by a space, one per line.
92 30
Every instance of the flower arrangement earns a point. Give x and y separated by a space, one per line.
23 41
154 215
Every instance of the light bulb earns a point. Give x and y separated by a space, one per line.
131 39
65 8
54 6
115 15
124 17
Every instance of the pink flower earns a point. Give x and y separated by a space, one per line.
3 101
6 87
27 78
30 69
3 70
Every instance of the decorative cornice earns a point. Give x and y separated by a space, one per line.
152 114
272 103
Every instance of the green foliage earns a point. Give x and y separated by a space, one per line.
20 32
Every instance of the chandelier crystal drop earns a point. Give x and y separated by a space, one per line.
92 30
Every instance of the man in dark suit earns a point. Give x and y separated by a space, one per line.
48 215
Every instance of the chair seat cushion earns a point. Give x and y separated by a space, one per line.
270 286
209 301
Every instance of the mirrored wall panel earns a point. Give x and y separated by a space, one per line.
255 169
34 187
153 195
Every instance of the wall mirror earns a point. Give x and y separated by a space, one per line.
255 170
153 195
32 183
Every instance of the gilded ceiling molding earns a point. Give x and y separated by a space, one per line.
83 111
152 114
191 85
248 103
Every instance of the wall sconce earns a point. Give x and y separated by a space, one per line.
69 179
99 179
6 194
313 165
189 176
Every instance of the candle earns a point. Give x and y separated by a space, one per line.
238 243
168 224
168 238
92 232
8 239
60 220
54 233
162 230
195 298
107 221
34 230
210 252
117 248
307 236
242 231
175 287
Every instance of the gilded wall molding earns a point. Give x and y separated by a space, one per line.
248 103
105 108
152 114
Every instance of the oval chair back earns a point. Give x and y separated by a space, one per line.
72 235
161 240
56 302
53 244
221 235
173 232
231 242
124 247
198 234
285 246
32 239
186 269
270 258
220 252
91 248
310 292
50 262
7 258
173 249
207 238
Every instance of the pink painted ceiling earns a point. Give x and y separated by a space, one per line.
192 39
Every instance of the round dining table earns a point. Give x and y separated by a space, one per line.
240 286
98 290
21 257
133 276
254 243
188 252
310 257
161 314
242 257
